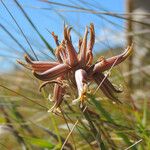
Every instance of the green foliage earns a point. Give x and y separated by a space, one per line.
39 142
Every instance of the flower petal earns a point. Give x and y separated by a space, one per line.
89 54
55 38
92 37
58 94
72 54
24 65
108 84
103 86
49 82
82 52
40 66
79 44
60 53
81 81
52 73
106 64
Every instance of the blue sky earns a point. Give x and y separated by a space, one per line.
50 18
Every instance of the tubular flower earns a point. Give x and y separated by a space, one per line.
76 67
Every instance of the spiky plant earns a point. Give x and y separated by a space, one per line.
78 68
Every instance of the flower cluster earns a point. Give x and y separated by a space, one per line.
76 67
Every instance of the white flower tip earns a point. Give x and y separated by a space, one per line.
50 98
54 110
75 101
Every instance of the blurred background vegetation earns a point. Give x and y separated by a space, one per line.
25 124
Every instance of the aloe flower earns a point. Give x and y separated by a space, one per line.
76 67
